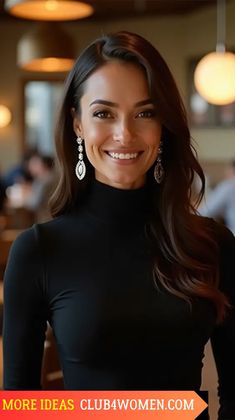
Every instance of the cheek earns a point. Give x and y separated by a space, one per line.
94 134
150 132
93 140
153 138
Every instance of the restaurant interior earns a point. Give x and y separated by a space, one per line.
36 52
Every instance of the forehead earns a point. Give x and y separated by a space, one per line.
119 79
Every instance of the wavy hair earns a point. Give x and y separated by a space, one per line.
185 248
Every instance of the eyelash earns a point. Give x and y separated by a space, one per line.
102 114
148 113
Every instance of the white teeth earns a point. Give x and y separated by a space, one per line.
123 155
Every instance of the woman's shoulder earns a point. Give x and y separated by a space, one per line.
24 257
218 231
29 248
28 240
224 239
25 247
226 254
223 235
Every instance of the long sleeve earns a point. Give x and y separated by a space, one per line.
24 314
223 339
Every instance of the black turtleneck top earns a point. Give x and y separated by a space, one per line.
89 273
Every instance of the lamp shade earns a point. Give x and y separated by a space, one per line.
214 78
49 9
5 116
46 49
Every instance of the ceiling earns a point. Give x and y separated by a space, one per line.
118 9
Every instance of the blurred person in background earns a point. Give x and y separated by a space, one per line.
19 173
27 197
41 169
220 202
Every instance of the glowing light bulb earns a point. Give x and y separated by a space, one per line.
5 116
51 5
214 78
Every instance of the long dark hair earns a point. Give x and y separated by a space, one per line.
186 261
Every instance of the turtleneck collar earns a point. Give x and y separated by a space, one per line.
118 205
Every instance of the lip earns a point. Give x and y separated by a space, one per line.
125 151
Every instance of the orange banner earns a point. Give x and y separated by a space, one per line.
105 405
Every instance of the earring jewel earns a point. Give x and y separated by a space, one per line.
80 169
158 170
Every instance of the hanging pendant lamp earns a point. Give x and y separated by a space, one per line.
46 49
49 9
214 76
5 116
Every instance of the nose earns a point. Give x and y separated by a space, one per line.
124 133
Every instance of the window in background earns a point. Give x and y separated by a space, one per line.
41 100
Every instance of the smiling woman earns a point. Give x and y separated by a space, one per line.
131 279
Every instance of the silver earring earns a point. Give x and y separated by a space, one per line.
158 170
80 169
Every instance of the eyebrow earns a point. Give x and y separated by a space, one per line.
115 105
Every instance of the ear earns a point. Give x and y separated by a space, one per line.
77 128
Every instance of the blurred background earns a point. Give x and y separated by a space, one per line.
183 31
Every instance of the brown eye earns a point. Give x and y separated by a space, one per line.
148 113
102 114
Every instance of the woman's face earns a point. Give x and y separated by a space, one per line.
119 125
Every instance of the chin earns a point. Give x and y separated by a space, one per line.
121 178
126 182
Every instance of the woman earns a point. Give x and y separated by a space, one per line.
132 281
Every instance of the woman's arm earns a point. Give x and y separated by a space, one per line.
223 339
25 314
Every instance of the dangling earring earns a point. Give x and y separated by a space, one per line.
158 170
80 169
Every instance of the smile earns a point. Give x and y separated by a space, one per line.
122 156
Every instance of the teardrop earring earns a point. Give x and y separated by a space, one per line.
158 170
80 169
